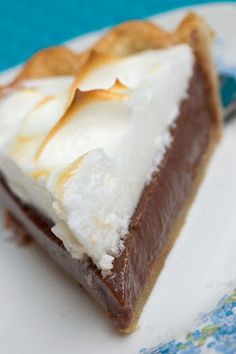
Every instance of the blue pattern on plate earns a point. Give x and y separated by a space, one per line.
216 332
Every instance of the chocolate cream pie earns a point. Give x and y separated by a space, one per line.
101 154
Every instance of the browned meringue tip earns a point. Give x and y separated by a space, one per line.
37 174
80 100
95 60
118 85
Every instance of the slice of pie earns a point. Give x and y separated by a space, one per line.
101 154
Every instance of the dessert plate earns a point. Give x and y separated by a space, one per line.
43 311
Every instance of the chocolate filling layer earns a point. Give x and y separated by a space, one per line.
148 240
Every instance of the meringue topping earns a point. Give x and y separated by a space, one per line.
81 148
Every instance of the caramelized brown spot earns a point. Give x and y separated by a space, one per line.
40 173
118 85
44 101
66 174
94 62
19 144
23 139
70 170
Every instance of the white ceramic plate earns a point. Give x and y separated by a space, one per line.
45 312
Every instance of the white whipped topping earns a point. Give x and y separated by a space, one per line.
85 164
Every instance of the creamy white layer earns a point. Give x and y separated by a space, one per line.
84 160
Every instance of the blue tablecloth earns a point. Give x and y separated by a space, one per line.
26 25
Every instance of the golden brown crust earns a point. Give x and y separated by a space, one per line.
53 61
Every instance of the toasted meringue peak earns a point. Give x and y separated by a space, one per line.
81 100
37 174
82 134
94 61
118 85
